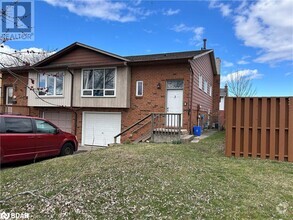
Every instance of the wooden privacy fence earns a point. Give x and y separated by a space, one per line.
259 127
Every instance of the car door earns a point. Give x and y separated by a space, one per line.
17 139
48 139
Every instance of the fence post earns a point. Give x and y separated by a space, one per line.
152 129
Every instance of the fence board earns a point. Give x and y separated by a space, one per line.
237 127
264 125
273 129
282 129
229 113
254 127
290 131
246 128
263 142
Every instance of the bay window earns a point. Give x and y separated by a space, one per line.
98 82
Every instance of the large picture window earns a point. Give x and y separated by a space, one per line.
51 84
98 82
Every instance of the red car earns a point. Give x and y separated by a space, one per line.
27 138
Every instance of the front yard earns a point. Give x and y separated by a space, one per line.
151 181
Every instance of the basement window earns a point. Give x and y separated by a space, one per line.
139 88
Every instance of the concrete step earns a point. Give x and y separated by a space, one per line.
186 138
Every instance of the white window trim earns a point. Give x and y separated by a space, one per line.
7 95
46 83
205 86
211 91
92 96
200 82
136 92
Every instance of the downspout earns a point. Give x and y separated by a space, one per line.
191 97
71 101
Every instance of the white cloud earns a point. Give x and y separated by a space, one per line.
197 33
224 8
12 57
288 74
267 25
170 12
263 24
247 73
242 62
227 63
104 9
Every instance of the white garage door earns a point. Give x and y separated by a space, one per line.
99 128
61 119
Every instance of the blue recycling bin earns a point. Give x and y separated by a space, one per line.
197 130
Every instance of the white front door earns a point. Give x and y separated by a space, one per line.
174 105
9 98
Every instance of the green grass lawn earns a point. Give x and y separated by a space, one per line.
151 181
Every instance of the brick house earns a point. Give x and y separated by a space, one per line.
96 94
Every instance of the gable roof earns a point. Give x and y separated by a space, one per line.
72 47
166 56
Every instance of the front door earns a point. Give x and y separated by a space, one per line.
174 105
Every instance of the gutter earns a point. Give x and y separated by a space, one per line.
71 100
191 96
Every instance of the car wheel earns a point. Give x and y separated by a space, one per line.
67 149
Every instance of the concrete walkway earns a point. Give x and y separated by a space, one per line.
204 135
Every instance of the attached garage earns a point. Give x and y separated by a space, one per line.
99 128
62 119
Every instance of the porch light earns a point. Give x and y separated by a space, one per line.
159 86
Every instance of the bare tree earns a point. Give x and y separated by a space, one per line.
240 85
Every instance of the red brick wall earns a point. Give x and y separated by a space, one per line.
154 99
19 90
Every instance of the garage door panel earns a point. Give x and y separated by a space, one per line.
61 119
100 128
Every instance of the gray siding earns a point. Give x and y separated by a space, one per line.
122 99
47 101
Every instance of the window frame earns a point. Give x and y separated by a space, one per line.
200 81
104 89
205 86
211 90
55 83
7 101
136 88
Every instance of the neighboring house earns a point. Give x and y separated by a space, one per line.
223 95
96 94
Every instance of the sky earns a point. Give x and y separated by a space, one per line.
253 38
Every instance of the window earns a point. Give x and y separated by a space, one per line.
45 127
139 88
205 86
98 82
175 84
200 82
51 85
211 91
18 125
9 95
